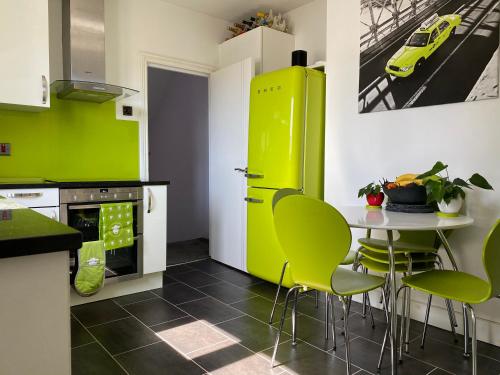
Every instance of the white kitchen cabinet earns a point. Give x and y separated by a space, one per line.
50 212
229 90
155 228
24 54
270 49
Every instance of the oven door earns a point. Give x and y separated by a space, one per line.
121 264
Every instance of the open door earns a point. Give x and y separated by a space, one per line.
229 97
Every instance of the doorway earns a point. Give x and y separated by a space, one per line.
178 152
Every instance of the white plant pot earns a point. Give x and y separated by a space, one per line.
451 208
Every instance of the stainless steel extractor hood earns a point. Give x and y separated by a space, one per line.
84 63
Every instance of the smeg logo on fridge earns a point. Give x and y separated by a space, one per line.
269 90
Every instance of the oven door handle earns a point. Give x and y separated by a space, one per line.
89 206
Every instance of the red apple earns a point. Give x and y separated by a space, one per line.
375 199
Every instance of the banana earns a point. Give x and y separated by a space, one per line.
407 182
406 177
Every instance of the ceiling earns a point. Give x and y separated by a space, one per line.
236 10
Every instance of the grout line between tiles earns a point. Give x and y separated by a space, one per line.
80 346
143 300
168 321
161 338
139 347
101 345
110 321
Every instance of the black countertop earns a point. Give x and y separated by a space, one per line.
80 184
26 232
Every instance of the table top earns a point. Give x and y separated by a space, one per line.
362 217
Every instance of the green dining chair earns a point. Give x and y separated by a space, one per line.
464 287
316 238
348 260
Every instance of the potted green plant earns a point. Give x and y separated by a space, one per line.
447 193
373 193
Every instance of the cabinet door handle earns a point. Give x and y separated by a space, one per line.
254 200
24 195
54 215
150 201
242 170
253 175
45 89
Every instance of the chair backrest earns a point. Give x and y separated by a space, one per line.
283 193
491 258
315 238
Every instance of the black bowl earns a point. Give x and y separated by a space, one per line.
410 194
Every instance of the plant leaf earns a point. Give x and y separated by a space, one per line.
480 181
438 167
462 183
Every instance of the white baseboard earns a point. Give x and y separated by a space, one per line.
117 289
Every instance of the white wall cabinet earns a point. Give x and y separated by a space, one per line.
155 228
270 49
229 90
41 200
24 54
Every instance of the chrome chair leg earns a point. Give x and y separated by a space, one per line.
294 317
327 316
474 340
370 310
346 335
426 321
282 321
466 331
408 320
332 321
283 269
381 355
451 316
402 323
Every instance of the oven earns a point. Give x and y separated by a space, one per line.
80 209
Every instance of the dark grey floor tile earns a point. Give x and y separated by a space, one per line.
365 354
195 278
303 359
209 266
172 270
377 313
186 252
154 311
98 312
230 358
313 332
79 335
92 359
210 310
122 335
168 280
268 290
178 293
238 278
450 358
226 292
307 306
158 359
250 333
363 327
260 308
132 298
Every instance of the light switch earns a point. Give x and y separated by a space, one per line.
4 149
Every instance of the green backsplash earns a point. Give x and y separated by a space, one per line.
72 140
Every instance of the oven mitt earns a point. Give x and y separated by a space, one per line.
116 225
91 267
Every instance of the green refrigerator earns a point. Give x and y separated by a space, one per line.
285 150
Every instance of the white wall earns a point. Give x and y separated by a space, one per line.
362 148
308 24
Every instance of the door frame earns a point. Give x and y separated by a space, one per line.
150 60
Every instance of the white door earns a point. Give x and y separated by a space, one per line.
229 95
154 229
24 54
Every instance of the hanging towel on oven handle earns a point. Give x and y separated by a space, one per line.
116 225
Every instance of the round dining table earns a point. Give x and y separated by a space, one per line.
381 219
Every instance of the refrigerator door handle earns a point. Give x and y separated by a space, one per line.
254 200
242 170
253 175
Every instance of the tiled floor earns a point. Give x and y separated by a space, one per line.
209 318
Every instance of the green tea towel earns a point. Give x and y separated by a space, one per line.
115 225
91 267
